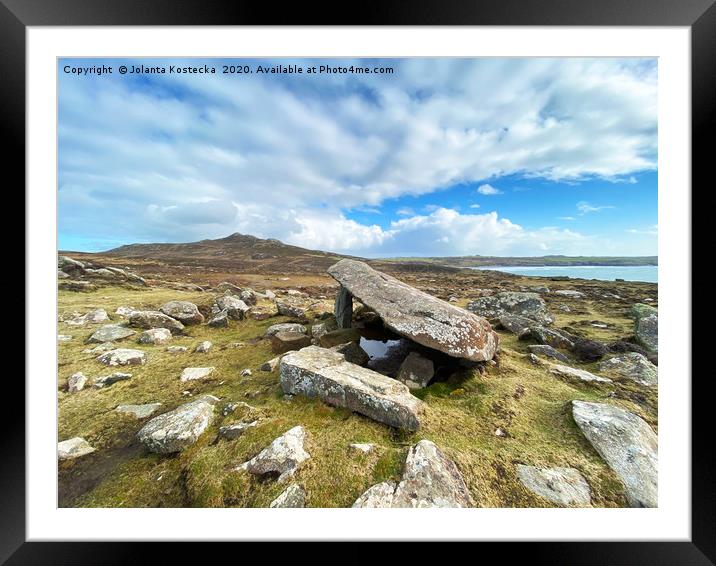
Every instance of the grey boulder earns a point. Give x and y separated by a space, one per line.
632 366
529 305
563 486
283 456
293 497
123 357
183 311
155 319
110 333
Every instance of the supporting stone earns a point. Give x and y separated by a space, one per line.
343 308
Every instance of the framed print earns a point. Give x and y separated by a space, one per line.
395 279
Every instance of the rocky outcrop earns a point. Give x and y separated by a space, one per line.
548 351
285 327
282 457
155 336
628 445
416 371
283 342
429 479
155 319
632 366
416 315
123 357
563 486
193 374
178 429
646 326
322 373
529 305
139 411
233 307
517 324
73 448
110 333
183 311
552 337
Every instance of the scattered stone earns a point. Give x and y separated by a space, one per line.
234 308
318 330
429 479
569 293
291 309
588 350
192 374
183 311
203 347
416 371
124 311
337 337
64 337
425 319
517 324
353 353
317 372
139 411
529 305
582 375
155 336
563 486
176 349
549 352
232 431
534 360
248 296
178 429
283 342
283 456
284 327
73 448
552 337
633 366
62 275
219 320
93 317
269 294
501 432
123 357
628 445
362 448
228 287
563 308
107 380
539 289
293 498
155 319
246 372
110 332
271 365
646 326
76 382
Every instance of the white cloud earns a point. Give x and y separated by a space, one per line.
565 218
488 190
584 207
474 206
651 231
405 211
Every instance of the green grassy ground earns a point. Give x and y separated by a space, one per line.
462 414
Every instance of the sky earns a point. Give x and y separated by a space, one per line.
441 157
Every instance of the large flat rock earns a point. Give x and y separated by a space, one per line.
322 373
423 318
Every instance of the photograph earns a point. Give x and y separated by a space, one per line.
405 282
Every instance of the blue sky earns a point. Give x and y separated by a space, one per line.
442 157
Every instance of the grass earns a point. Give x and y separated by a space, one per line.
462 414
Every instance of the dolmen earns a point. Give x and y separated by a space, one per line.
407 311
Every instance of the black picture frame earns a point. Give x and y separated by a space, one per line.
699 15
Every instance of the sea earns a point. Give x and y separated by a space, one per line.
645 273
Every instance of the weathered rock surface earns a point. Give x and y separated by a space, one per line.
155 336
183 311
628 445
285 327
353 353
416 315
548 351
235 308
416 371
563 486
283 342
552 337
282 457
646 326
123 357
633 366
588 350
569 293
73 448
64 337
343 308
574 373
93 317
178 429
293 497
219 320
111 379
517 324
192 374
76 382
234 430
110 333
362 447
317 372
271 365
155 319
429 479
203 347
176 349
291 308
529 305
139 411
337 337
